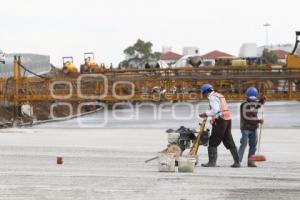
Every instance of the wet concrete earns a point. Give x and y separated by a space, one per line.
109 164
277 115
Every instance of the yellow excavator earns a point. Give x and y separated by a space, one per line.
293 60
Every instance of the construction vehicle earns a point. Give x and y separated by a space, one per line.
68 66
293 60
90 65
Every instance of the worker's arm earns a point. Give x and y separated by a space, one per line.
214 103
255 121
260 102
249 115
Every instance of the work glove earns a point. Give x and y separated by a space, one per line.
262 100
203 115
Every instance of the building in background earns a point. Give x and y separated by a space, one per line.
249 50
211 57
251 53
283 47
170 57
2 57
34 62
166 49
281 55
190 51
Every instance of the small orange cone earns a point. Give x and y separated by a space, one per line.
258 158
59 160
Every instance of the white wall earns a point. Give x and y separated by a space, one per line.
248 50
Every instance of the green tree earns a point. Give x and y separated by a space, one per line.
141 51
268 57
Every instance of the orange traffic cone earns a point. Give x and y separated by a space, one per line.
59 160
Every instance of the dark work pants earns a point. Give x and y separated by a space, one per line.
221 132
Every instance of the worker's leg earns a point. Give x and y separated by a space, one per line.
252 142
243 144
212 157
217 133
229 144
252 147
227 138
214 141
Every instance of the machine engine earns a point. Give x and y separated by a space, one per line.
183 137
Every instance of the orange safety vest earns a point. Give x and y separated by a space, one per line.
223 107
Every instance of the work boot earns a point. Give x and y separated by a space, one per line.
235 157
251 163
212 157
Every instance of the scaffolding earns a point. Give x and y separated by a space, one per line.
171 84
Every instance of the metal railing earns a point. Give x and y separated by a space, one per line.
231 81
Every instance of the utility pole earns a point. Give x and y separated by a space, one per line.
267 25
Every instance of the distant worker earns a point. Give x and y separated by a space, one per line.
249 123
221 126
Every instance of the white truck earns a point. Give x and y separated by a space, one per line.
2 57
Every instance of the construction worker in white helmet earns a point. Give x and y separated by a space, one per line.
221 126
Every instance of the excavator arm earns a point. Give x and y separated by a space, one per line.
296 43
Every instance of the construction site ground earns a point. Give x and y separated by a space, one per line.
108 163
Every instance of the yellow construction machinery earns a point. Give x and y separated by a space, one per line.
168 84
69 67
230 61
176 84
90 65
293 60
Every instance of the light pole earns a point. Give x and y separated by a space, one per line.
267 25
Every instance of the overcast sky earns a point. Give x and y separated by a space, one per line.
70 28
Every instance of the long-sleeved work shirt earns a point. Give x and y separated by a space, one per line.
215 106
